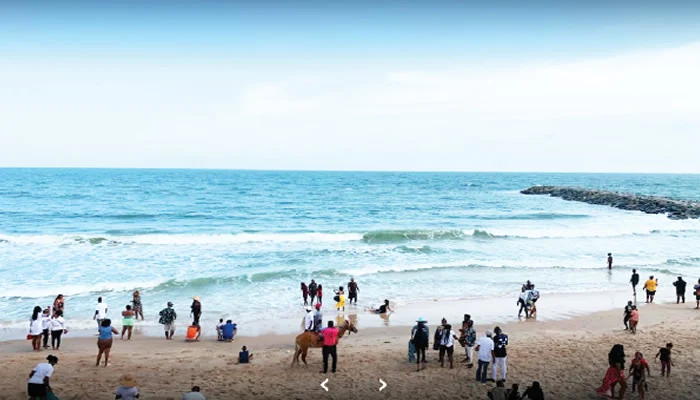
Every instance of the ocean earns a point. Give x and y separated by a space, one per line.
244 240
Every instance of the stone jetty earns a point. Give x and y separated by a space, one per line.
673 208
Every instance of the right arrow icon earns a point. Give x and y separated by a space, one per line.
383 384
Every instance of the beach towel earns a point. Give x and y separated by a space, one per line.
612 375
411 351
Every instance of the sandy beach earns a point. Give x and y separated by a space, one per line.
568 357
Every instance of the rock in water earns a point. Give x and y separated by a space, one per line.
673 208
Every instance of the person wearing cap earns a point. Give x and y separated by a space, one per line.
196 310
308 320
167 319
420 335
38 384
318 318
484 348
127 388
194 394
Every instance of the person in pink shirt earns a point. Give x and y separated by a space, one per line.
330 341
634 319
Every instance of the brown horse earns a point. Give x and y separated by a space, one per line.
310 339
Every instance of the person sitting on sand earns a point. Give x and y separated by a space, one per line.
228 331
127 388
194 394
218 329
626 314
194 331
244 357
639 370
615 374
634 319
650 287
38 386
513 393
665 357
534 392
499 392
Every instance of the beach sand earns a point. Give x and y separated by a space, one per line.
568 357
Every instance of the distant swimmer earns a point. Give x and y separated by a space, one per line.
610 260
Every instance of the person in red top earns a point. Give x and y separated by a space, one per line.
330 340
639 370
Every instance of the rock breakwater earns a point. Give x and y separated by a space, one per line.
673 208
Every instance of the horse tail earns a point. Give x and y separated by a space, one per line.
296 353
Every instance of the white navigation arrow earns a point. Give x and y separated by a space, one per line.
383 384
323 385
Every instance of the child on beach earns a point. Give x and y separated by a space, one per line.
243 356
634 319
219 334
665 357
639 370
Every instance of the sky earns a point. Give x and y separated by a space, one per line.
355 85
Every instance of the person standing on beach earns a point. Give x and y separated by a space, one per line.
136 304
420 335
664 355
650 287
610 260
500 341
320 294
104 341
634 319
639 370
680 285
340 299
35 329
100 312
305 293
313 290
167 319
46 326
484 349
697 295
352 290
330 342
127 322
470 342
196 312
447 345
58 328
308 320
627 314
523 301
634 280
58 304
318 318
438 334
615 374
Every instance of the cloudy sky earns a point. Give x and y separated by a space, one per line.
356 85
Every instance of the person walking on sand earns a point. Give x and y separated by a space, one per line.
100 312
104 341
615 374
313 291
680 285
196 308
627 314
484 349
420 335
500 341
634 280
340 299
35 329
128 316
634 319
650 287
352 291
167 319
305 293
610 260
639 370
330 342
136 304
38 385
664 355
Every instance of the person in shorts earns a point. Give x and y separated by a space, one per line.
650 286
167 319
664 355
38 384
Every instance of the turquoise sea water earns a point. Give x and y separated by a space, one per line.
243 240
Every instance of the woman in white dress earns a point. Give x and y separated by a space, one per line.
35 329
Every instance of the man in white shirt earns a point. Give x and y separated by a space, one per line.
100 311
308 320
38 383
194 395
484 348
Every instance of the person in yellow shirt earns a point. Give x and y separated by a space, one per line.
650 287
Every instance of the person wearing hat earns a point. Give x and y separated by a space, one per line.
38 383
167 319
484 348
308 320
127 388
420 335
196 310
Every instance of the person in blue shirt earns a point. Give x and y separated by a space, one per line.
243 356
228 331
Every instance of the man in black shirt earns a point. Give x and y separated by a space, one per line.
680 289
352 290
634 280
500 341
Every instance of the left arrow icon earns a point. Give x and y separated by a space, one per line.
323 385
